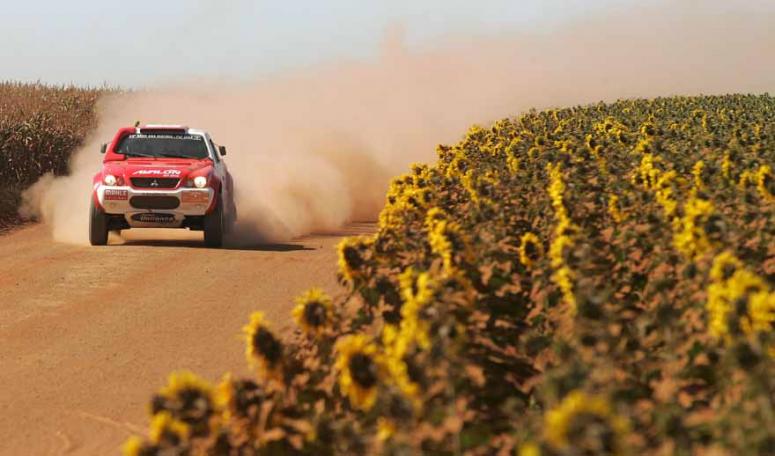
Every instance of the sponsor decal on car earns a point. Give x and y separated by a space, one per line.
195 197
148 217
157 172
116 194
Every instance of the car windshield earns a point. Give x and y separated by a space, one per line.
163 145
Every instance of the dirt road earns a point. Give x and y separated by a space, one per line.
88 333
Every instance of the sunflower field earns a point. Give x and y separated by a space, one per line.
595 280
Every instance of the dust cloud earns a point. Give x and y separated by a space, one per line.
314 149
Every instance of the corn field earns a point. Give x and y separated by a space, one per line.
40 126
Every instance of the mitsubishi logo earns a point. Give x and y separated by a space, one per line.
155 183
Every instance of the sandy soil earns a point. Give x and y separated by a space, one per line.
88 333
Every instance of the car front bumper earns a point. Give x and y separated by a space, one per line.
147 208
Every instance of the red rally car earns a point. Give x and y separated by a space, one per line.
162 176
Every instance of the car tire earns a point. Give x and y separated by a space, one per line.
214 226
98 226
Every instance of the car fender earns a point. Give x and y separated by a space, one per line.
217 187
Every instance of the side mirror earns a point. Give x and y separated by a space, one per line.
222 150
103 148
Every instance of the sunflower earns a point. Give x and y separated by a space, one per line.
417 291
645 146
765 183
447 239
390 218
262 348
648 129
691 238
405 372
698 172
726 166
479 187
563 275
664 191
529 449
513 163
512 154
238 398
224 396
647 173
313 311
585 422
396 344
739 301
530 249
557 189
761 313
420 175
434 215
724 266
188 398
416 198
440 243
359 370
136 446
351 255
167 431
385 429
746 178
606 126
613 209
458 166
418 169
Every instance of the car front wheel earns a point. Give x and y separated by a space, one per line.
98 226
213 226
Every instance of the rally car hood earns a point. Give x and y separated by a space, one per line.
136 167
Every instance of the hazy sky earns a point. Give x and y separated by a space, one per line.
149 41
144 42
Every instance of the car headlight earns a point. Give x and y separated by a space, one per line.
110 179
200 182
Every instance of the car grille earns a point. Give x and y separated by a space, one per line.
155 182
154 202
